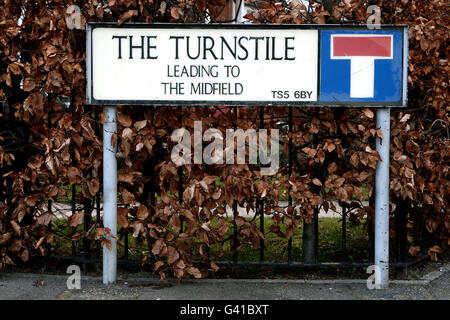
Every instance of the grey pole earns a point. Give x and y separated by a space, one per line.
382 199
110 194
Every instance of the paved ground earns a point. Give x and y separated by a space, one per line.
18 286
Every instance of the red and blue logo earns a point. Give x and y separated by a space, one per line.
361 66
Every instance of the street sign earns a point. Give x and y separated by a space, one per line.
173 64
263 65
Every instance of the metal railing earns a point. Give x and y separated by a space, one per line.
90 251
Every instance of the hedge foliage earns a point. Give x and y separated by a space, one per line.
47 145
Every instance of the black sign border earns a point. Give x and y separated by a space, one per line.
140 25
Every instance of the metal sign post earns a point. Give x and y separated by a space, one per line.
382 199
110 194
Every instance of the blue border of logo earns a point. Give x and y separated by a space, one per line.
335 74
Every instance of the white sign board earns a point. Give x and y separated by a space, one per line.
163 64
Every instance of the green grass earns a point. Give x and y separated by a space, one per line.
68 196
330 244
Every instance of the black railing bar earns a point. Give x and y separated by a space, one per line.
73 212
397 233
261 229
344 232
404 236
49 208
316 235
235 237
289 248
88 208
261 201
307 265
180 172
396 265
125 254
